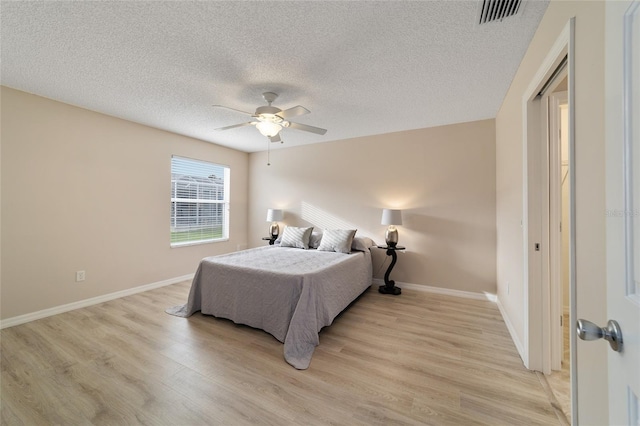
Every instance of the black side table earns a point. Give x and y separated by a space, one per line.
270 239
389 286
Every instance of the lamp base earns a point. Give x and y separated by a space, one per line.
391 237
385 289
274 230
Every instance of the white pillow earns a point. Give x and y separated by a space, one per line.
338 240
296 237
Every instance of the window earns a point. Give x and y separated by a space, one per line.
199 202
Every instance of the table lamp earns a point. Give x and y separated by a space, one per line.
273 216
392 218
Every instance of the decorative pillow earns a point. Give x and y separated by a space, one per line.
338 240
296 237
362 243
314 240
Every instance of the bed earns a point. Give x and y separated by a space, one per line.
289 292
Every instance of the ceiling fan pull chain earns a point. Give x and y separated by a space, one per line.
268 152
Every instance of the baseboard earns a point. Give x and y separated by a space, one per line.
440 290
21 319
512 331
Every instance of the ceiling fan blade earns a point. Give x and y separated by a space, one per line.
275 138
236 125
233 109
307 128
293 112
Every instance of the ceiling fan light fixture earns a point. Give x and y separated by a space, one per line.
270 117
268 128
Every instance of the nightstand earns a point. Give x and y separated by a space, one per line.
270 239
389 286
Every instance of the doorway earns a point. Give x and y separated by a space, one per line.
542 220
559 378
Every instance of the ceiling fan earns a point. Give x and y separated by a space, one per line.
270 120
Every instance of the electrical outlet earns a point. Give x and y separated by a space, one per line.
80 276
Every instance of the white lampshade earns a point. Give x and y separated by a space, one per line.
268 128
391 217
274 215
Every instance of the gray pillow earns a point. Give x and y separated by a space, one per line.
296 237
338 240
314 240
362 243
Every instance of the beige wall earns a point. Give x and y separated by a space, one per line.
85 191
65 206
443 178
589 137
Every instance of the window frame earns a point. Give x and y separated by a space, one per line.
198 203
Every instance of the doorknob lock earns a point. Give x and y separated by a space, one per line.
589 331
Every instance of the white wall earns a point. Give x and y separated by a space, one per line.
85 191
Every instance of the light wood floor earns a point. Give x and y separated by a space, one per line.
418 358
560 381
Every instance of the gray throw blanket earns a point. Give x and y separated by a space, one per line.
288 292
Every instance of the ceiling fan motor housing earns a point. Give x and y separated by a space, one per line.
269 97
268 112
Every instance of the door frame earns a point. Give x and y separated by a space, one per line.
537 330
556 100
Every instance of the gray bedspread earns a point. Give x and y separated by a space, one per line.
288 292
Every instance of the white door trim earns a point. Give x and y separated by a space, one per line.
535 225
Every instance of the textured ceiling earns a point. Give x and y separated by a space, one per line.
361 68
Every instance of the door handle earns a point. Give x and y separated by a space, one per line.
611 333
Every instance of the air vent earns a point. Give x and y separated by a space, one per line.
497 10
